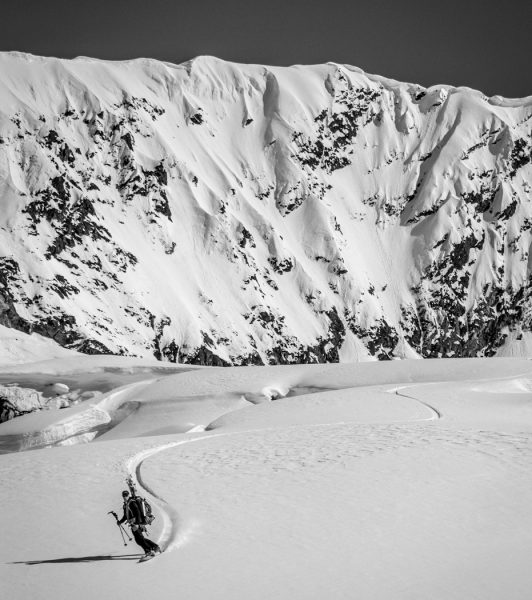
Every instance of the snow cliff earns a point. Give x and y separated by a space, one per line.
217 213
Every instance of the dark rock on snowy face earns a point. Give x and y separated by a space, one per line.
331 146
281 266
11 295
87 346
226 214
205 356
380 338
129 140
162 206
197 118
327 349
520 156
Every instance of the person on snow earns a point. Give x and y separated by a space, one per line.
133 516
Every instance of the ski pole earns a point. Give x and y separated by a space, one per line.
120 527
122 530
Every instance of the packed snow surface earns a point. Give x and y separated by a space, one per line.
397 480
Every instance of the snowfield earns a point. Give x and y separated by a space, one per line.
391 480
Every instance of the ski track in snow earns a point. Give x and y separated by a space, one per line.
436 413
511 451
174 533
170 539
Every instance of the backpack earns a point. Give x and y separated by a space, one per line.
138 508
145 510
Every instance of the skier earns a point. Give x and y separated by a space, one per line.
133 516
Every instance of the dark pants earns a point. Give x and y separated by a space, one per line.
146 544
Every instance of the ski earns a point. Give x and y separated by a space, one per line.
147 557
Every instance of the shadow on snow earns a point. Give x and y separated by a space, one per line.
79 559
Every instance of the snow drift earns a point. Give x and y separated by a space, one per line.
397 479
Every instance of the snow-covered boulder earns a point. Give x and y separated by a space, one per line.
60 388
16 401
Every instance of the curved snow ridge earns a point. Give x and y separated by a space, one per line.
83 424
79 426
114 400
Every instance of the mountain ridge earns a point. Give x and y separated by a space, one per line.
28 56
219 213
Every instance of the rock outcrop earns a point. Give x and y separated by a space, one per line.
16 401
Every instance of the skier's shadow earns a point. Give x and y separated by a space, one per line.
79 559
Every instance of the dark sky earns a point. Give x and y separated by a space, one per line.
482 44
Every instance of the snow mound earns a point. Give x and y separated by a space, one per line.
17 348
355 405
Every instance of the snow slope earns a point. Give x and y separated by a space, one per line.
216 213
17 347
404 479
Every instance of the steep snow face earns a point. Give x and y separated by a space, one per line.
218 213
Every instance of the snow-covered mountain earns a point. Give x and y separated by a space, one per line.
219 213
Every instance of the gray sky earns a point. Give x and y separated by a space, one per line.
481 44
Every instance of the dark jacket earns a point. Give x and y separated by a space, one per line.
132 513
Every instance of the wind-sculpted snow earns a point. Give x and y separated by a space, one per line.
217 214
103 392
301 481
350 405
143 400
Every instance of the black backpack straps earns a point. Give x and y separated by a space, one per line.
132 510
127 510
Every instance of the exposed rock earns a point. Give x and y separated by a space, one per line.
16 401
